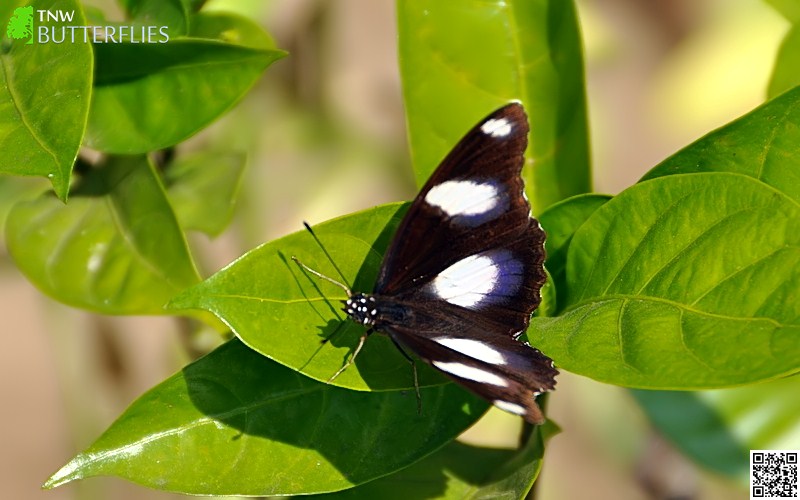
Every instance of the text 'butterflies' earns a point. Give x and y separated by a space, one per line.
462 275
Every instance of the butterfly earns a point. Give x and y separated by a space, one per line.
463 273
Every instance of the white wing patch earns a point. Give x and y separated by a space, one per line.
470 373
467 282
463 198
497 127
510 407
494 274
473 349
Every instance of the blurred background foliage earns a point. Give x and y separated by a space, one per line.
325 135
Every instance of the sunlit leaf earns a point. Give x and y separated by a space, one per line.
171 13
762 144
230 28
283 313
203 189
461 60
790 9
459 471
44 98
236 423
686 281
151 96
786 73
116 248
560 222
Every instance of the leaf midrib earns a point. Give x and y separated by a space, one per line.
678 305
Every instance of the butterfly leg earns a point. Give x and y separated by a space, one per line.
413 369
353 357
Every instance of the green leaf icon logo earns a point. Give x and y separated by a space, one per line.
21 24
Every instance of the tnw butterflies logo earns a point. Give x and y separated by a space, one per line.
62 26
20 26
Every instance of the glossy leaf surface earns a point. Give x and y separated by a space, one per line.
786 73
283 313
560 222
116 248
151 96
171 13
44 99
236 423
683 281
203 189
461 60
761 144
459 471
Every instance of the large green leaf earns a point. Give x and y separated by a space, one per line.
283 313
44 99
786 73
762 144
718 428
684 281
459 471
230 28
203 189
116 248
14 190
461 60
171 13
151 96
236 423
560 221
790 9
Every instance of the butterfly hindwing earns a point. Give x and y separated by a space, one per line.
503 371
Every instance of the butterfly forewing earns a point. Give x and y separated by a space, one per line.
473 201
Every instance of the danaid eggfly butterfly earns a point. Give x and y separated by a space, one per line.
461 277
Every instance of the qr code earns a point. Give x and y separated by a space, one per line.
773 474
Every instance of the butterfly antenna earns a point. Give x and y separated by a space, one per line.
325 251
322 276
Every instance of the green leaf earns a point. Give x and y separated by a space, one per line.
459 471
171 13
790 9
203 189
14 190
682 282
786 74
283 313
151 96
230 28
761 144
461 60
235 423
43 113
560 221
115 249
718 428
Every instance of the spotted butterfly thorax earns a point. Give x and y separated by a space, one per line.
463 273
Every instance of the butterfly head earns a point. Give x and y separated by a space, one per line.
360 307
